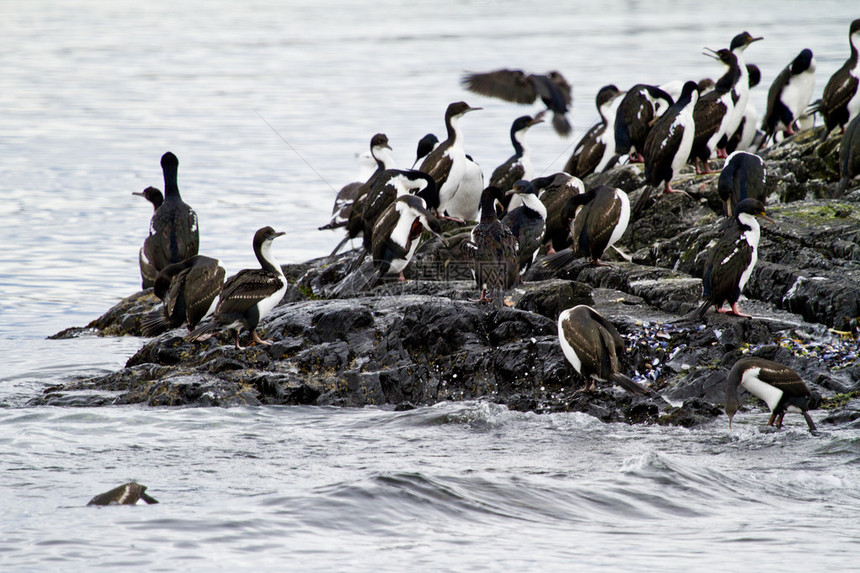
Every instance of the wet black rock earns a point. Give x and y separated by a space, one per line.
407 344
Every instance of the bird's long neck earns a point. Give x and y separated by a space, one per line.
518 138
266 258
531 201
488 208
171 188
452 125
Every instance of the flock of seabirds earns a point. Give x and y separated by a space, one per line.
665 127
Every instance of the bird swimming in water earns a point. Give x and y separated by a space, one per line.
250 294
743 176
189 292
593 346
147 271
598 219
527 222
670 141
492 251
730 263
778 385
517 87
126 494
840 102
447 164
789 96
173 232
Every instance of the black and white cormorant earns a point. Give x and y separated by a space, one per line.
597 220
173 233
840 102
518 87
388 186
519 165
492 251
778 385
747 136
397 234
741 88
789 95
425 145
743 176
527 222
637 112
849 156
188 291
714 112
148 271
126 494
380 152
669 142
731 261
250 294
589 152
554 192
447 164
593 346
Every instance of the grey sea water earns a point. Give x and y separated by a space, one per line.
267 104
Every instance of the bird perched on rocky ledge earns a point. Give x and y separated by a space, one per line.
593 345
517 87
840 102
778 385
250 294
730 263
492 251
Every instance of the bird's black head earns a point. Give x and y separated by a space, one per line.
687 92
704 85
802 62
266 234
458 109
169 161
742 40
606 94
379 140
522 187
752 207
152 195
489 198
524 122
754 74
855 27
426 144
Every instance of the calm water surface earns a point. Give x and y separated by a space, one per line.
266 104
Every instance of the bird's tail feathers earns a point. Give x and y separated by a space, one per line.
628 384
559 260
560 124
155 323
203 331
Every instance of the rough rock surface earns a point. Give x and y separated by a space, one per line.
407 344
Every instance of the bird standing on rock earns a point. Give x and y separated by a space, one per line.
147 271
779 386
527 222
743 176
448 165
840 102
730 263
598 219
637 112
188 291
517 87
670 141
593 346
492 251
519 165
250 294
789 95
591 149
714 112
173 232
554 191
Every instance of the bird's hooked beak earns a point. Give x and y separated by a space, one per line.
731 416
751 40
473 109
766 218
510 192
278 234
711 54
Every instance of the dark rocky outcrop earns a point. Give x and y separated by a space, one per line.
407 344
